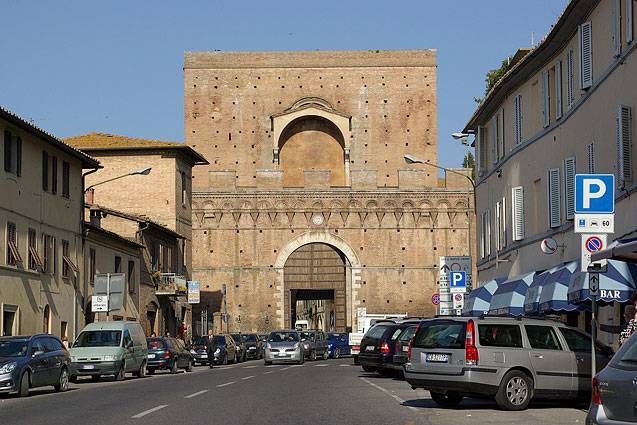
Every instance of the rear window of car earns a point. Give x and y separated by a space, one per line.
441 334
156 344
499 335
377 331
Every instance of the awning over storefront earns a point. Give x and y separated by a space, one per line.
478 301
532 298
510 295
554 296
617 284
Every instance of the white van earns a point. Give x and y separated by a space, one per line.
302 325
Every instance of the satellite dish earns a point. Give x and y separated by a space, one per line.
548 246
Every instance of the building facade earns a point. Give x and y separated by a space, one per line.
41 197
565 108
307 196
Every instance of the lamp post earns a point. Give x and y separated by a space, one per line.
141 171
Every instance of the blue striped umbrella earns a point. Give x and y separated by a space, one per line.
617 284
554 295
532 298
477 302
510 295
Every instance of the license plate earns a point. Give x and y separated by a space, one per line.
405 349
370 348
151 356
437 358
282 355
203 356
88 366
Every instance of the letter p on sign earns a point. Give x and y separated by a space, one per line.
594 194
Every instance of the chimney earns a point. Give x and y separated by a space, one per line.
96 218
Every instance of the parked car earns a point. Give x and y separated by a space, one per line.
314 344
402 348
33 361
241 347
254 348
378 346
338 345
284 346
614 399
509 359
199 350
109 348
165 353
227 351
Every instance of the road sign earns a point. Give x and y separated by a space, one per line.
435 299
590 244
194 293
594 223
594 193
99 303
448 265
458 282
458 301
593 283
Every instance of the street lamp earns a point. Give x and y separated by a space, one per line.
463 137
141 171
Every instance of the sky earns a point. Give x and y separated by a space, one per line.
116 66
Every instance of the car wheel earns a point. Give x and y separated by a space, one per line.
515 392
141 373
312 355
225 359
326 355
337 353
63 381
267 363
368 369
449 399
121 373
25 380
173 368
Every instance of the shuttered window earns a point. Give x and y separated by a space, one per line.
624 146
66 176
482 231
482 152
518 119
501 134
546 98
586 55
517 213
12 154
590 158
494 139
500 224
45 171
558 90
553 201
629 21
570 78
569 187
617 28
487 233
13 253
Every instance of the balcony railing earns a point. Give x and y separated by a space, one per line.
171 284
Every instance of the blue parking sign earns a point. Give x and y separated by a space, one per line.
457 281
594 194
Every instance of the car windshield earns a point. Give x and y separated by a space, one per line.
251 338
220 340
441 334
237 338
13 348
98 339
307 335
156 344
283 337
201 341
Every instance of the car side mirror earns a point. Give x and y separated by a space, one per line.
129 345
37 353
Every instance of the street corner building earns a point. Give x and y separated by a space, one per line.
307 209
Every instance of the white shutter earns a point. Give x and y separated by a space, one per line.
517 213
553 197
570 78
546 113
629 21
518 119
503 239
569 187
501 134
498 226
586 55
590 157
558 90
494 139
487 235
624 146
617 28
482 232
482 161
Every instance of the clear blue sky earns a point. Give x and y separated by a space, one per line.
116 66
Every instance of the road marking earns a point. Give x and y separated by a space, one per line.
196 394
344 365
285 368
226 384
247 377
269 371
146 412
321 365
394 396
249 367
224 367
272 365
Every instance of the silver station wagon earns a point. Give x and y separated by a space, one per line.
510 359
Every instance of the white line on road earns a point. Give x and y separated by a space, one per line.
321 365
247 377
250 367
285 368
224 367
226 384
196 394
269 371
344 365
146 412
394 396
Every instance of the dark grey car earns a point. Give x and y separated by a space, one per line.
33 361
314 344
614 397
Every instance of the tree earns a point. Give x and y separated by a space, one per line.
469 162
494 75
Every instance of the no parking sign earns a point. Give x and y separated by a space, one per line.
590 245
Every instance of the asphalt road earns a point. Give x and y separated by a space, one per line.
323 392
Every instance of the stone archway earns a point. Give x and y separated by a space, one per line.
351 266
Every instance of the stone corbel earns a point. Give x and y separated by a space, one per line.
275 155
346 154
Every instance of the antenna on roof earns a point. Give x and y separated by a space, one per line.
532 39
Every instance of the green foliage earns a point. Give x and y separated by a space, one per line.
469 162
494 75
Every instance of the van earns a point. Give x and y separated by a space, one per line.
301 325
109 348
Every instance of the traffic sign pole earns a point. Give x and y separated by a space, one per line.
593 289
